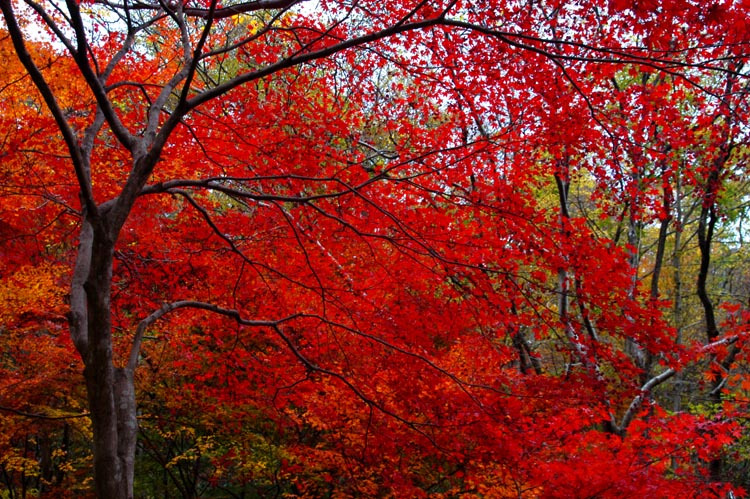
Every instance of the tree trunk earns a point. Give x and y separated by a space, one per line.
111 391
127 425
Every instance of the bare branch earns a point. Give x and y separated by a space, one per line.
36 415
637 402
170 307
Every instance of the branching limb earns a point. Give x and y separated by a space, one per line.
637 402
275 326
93 80
170 307
657 380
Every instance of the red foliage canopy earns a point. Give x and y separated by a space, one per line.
370 248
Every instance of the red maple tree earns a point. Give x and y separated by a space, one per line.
373 248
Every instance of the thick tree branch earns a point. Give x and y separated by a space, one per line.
637 402
78 318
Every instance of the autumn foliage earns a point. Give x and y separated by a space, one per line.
374 249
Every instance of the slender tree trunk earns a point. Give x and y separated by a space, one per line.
646 356
706 225
706 228
677 318
562 180
632 347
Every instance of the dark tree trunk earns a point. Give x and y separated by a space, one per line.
111 392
